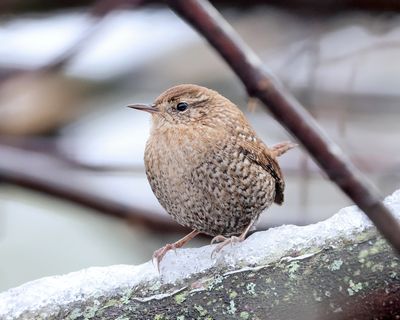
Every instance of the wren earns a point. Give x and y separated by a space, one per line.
207 166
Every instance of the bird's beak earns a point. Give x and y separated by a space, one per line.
145 107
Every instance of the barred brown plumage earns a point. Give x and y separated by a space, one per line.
206 165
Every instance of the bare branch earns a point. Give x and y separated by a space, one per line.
99 10
95 16
288 111
337 274
47 174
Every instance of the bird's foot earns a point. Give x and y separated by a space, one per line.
219 238
159 254
223 241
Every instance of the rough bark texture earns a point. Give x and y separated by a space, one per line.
345 271
355 280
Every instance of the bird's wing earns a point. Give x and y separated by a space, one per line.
260 155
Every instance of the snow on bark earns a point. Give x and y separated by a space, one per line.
277 254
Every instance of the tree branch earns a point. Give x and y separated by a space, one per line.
95 16
288 111
47 174
338 269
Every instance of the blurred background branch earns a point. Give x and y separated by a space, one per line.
94 16
47 174
328 7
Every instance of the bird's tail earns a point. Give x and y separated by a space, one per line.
280 148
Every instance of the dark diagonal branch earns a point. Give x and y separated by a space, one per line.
288 111
47 174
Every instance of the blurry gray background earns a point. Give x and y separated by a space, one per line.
344 68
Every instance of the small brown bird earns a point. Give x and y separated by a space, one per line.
207 167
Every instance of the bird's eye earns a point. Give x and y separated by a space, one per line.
182 106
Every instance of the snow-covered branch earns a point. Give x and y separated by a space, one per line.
338 268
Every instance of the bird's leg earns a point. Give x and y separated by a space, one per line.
280 148
159 254
229 240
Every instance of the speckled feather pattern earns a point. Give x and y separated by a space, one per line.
209 170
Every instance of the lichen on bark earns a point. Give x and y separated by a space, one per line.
337 269
348 280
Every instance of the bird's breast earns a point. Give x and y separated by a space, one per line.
179 148
171 155
170 159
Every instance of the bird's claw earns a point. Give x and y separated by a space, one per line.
159 254
218 238
223 242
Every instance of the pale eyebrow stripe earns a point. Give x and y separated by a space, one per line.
198 102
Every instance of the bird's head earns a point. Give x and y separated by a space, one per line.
188 105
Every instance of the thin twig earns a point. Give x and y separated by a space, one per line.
94 17
288 111
51 148
46 174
